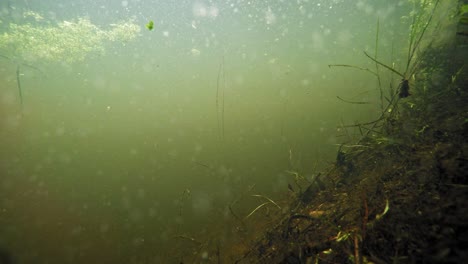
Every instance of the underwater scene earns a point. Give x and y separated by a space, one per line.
233 131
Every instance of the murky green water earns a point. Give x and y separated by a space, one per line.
111 157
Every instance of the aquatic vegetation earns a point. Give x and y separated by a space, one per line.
66 41
420 26
150 25
421 18
269 201
124 31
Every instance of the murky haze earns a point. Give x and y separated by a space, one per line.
112 157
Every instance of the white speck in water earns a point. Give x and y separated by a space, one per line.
270 17
195 52
214 11
199 10
198 148
59 131
133 152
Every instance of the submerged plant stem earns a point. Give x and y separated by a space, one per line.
352 66
18 82
384 65
377 65
270 200
413 46
256 209
220 84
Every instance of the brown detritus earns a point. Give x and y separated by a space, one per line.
405 199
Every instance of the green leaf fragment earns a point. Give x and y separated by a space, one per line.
150 25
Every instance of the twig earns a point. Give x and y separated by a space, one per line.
357 258
365 218
351 102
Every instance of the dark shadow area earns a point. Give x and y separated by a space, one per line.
5 257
